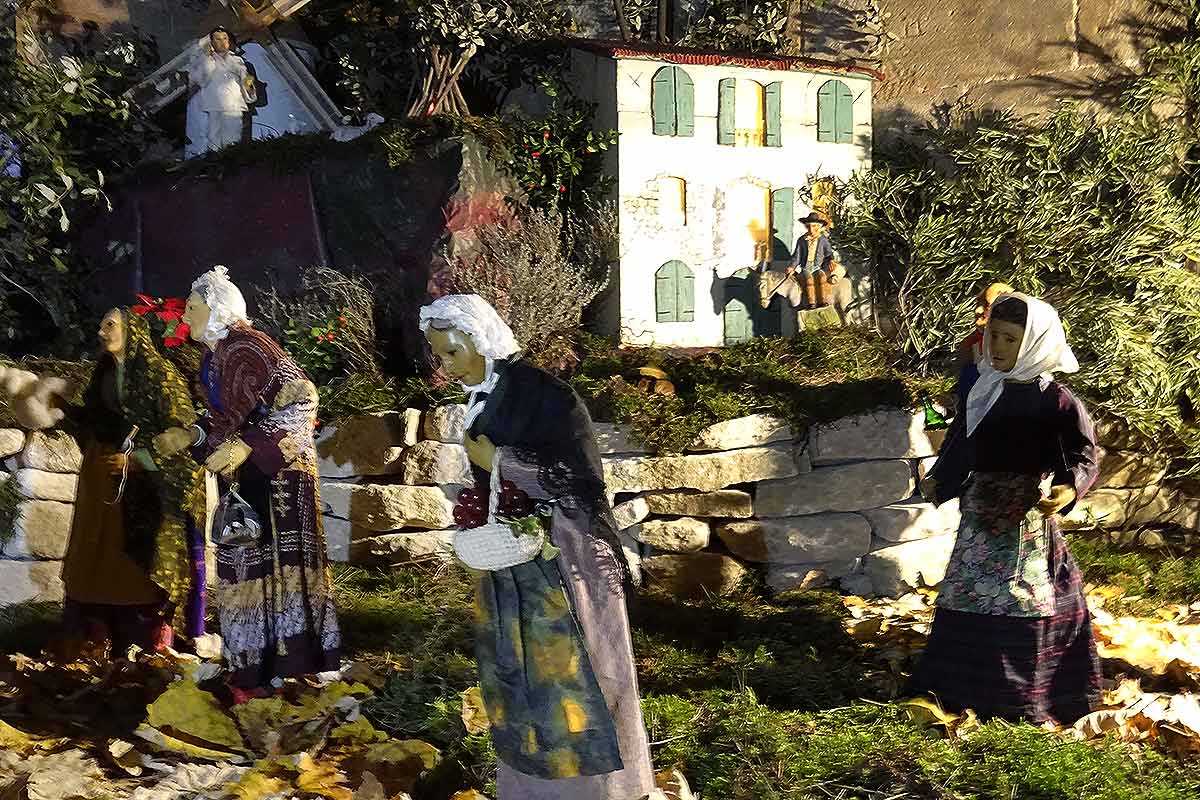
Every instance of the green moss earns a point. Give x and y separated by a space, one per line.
28 627
1153 579
818 376
10 498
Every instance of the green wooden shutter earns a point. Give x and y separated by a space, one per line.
666 290
686 298
726 97
674 293
738 328
685 104
774 111
783 218
827 112
845 114
662 102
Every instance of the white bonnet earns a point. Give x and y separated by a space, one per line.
475 317
224 300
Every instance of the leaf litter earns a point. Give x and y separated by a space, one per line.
1152 698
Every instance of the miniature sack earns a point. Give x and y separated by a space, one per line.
494 546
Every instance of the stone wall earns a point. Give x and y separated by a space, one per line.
835 506
43 469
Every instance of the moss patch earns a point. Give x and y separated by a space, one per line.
1151 579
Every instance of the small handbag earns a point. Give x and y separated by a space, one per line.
235 522
494 546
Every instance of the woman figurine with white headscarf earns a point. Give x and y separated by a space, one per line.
1012 637
274 599
552 634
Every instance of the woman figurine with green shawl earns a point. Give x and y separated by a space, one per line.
127 573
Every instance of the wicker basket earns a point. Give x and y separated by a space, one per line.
493 546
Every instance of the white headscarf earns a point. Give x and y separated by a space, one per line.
226 304
493 339
1044 351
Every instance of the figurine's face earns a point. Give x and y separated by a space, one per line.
1004 342
220 42
815 229
196 316
112 333
460 360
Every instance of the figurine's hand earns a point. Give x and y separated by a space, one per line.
481 451
1060 497
928 489
790 271
172 441
226 459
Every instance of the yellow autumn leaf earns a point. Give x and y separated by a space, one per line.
18 740
324 779
360 731
184 710
474 712
164 741
256 785
925 713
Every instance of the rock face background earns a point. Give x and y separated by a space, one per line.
835 506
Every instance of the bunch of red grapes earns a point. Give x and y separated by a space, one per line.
472 508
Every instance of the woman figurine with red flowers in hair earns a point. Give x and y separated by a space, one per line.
551 633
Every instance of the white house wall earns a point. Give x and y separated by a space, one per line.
709 171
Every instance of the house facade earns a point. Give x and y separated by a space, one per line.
717 158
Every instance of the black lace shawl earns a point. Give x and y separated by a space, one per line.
546 423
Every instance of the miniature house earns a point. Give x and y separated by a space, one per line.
716 157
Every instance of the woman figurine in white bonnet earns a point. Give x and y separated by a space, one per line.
1012 637
275 604
552 635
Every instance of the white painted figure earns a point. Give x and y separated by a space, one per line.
224 92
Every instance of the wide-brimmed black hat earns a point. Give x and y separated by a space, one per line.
813 216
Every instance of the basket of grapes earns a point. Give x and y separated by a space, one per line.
500 530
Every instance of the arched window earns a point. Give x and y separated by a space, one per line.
673 103
674 293
749 114
835 113
672 202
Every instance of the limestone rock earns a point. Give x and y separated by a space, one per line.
51 451
445 424
30 581
1186 513
885 434
39 485
12 441
1115 508
694 576
673 535
924 465
1121 469
897 569
852 487
857 584
802 454
785 577
798 540
370 444
616 439
387 508
632 549
403 547
1113 434
752 431
41 530
338 533
412 427
631 512
906 522
730 503
431 463
707 472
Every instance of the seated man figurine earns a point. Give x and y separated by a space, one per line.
815 265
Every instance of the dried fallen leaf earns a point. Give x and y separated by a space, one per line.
323 780
474 712
256 786
925 713
185 711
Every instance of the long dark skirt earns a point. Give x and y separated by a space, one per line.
274 600
1037 669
